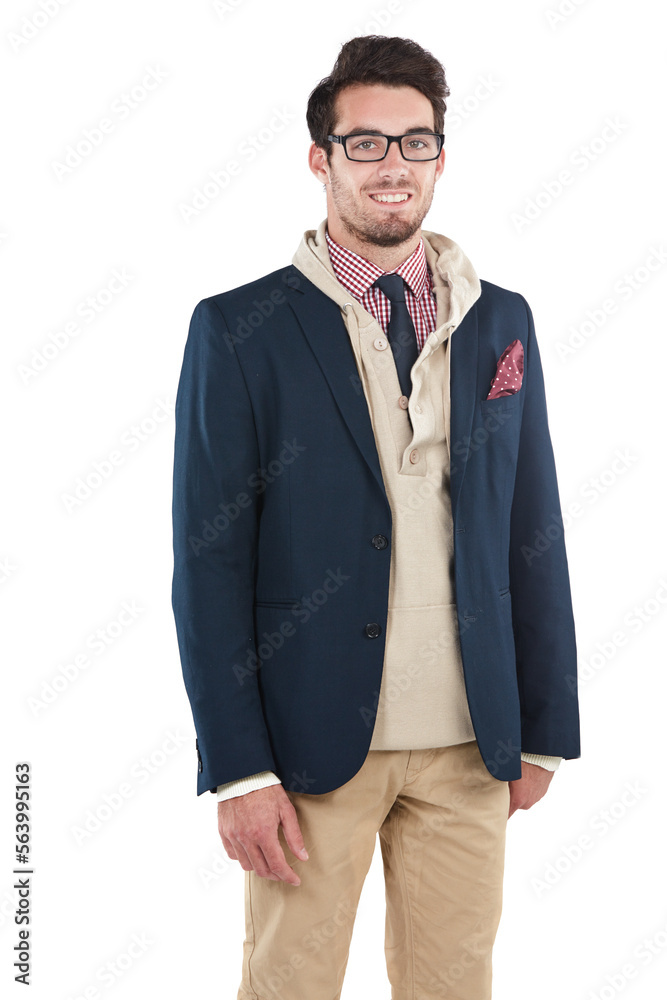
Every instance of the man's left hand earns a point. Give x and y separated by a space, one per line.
530 787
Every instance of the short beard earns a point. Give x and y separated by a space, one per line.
376 233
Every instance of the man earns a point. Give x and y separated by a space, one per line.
373 638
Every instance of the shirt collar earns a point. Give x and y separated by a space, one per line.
357 274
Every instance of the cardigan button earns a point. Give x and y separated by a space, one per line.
372 630
414 456
379 541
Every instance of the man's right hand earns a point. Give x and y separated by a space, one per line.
248 826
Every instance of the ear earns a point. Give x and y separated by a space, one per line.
440 164
317 161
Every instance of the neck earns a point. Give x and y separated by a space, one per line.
388 258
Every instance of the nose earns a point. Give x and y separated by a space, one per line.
394 160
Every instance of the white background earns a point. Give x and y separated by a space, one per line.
529 94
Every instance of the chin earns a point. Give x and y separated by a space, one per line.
392 239
395 233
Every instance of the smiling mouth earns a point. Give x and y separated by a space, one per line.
390 199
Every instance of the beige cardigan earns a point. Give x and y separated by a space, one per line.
422 701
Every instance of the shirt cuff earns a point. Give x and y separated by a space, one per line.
250 784
548 763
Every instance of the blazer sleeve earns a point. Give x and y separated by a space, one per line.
542 617
215 531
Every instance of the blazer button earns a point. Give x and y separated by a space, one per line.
403 402
379 541
414 456
372 630
380 344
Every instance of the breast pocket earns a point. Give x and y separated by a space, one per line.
501 404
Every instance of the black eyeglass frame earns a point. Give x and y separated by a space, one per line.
342 139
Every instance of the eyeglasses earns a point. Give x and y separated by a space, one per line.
371 146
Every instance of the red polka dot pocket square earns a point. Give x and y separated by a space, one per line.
509 373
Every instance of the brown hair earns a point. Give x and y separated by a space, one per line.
367 59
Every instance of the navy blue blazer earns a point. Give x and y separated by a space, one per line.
280 586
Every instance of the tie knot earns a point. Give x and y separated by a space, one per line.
393 287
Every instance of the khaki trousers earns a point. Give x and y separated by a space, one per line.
441 817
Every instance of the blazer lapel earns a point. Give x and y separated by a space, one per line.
321 321
463 391
324 327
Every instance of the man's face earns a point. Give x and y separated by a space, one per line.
352 210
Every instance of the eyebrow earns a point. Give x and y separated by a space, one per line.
371 130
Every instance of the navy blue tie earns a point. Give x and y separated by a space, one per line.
401 330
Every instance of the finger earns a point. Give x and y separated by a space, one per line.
261 863
292 831
227 844
243 858
277 863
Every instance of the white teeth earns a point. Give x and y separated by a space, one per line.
390 197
